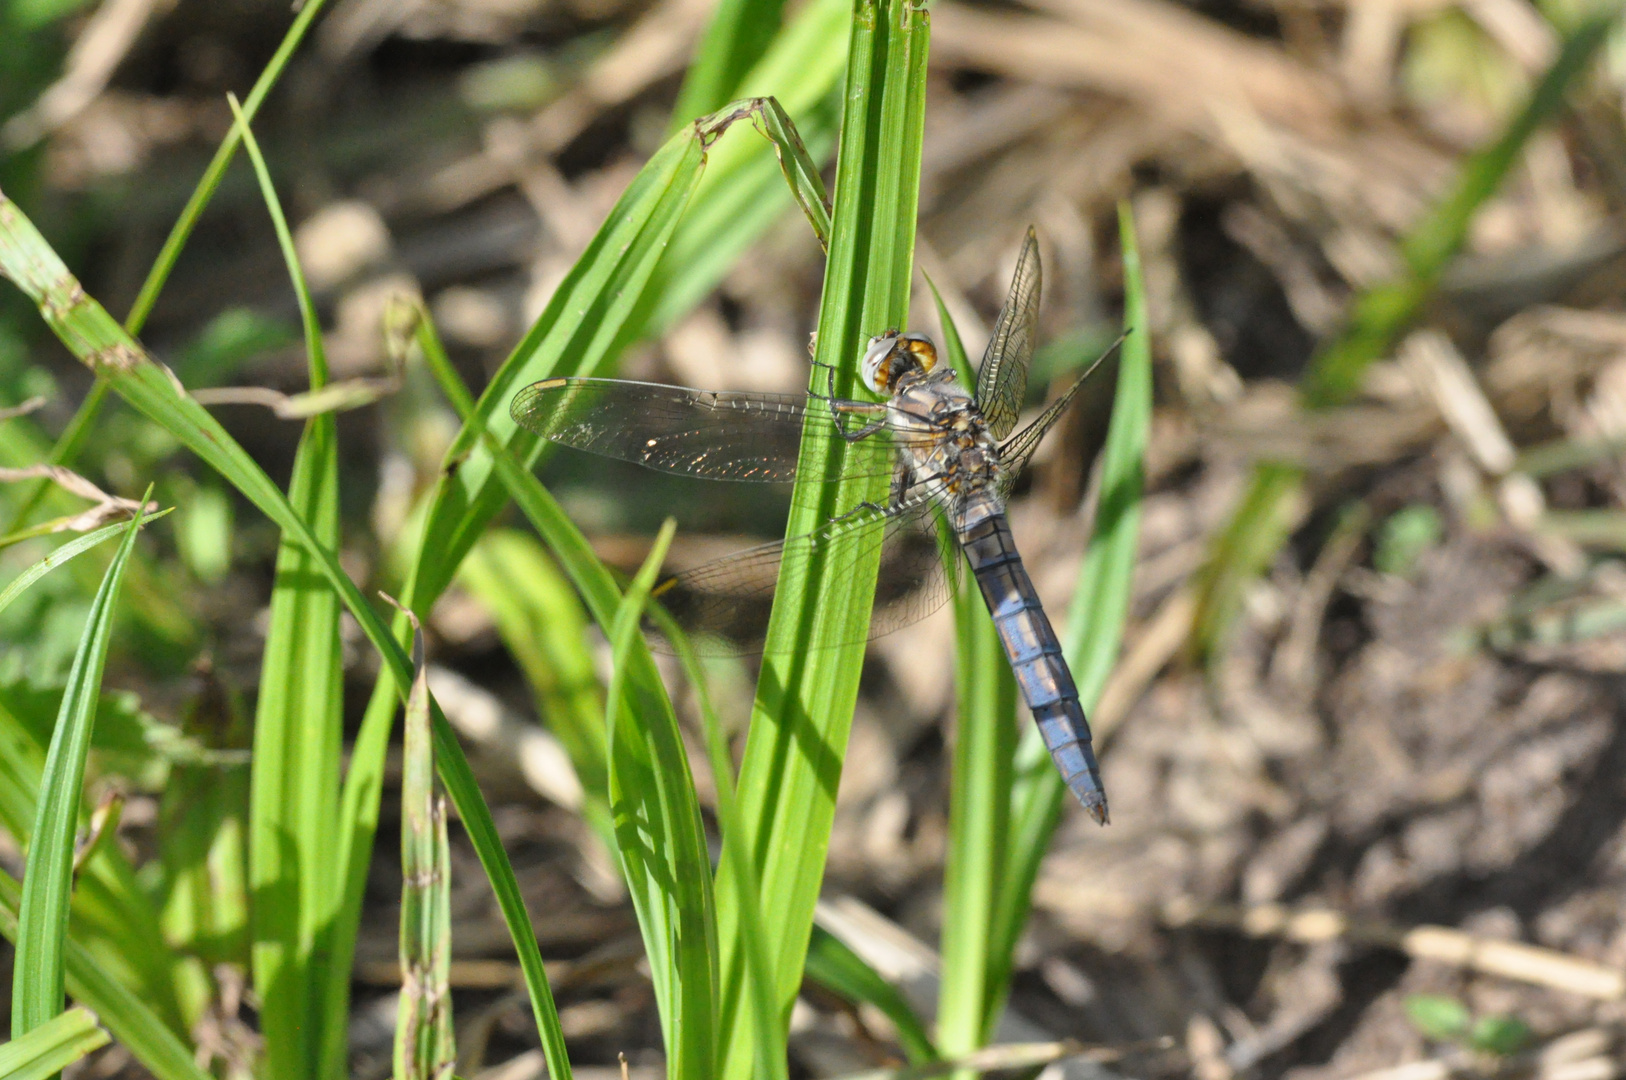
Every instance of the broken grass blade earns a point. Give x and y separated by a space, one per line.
47 1049
424 1046
741 194
801 171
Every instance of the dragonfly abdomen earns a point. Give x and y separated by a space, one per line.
1036 658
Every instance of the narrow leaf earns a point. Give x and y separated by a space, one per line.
809 681
1095 619
37 982
76 546
1240 553
47 1049
834 966
297 727
985 740
662 846
541 621
424 1047
769 1037
122 1011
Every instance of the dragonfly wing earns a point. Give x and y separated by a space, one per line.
724 604
1015 452
720 435
1002 379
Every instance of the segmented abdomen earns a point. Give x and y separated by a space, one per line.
1035 656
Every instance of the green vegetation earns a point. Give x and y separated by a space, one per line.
266 869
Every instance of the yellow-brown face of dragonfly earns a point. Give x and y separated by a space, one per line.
891 355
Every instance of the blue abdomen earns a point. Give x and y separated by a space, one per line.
1035 655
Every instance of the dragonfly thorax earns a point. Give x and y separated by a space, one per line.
948 451
893 355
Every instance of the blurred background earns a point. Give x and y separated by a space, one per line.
1416 716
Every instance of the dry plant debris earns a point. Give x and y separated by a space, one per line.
1403 774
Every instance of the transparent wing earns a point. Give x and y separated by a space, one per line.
724 604
1015 451
720 435
1002 380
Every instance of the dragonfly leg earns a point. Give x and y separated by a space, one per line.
901 478
901 482
840 408
859 508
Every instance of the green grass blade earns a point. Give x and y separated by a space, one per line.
1382 313
63 554
742 192
640 681
37 980
739 32
578 333
662 847
772 1062
112 915
593 314
203 891
1095 619
837 968
83 422
297 727
472 810
979 802
1239 555
122 1011
541 621
182 230
424 1046
90 333
809 683
1244 548
47 1049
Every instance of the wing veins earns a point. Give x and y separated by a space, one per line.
1002 378
724 435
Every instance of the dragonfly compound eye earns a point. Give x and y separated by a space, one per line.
925 353
876 369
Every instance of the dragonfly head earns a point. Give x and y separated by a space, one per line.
892 355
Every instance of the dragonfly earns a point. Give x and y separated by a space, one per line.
952 458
